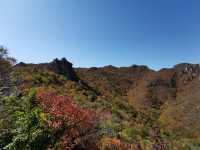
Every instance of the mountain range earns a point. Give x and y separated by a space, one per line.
147 109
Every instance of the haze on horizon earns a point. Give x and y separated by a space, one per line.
90 33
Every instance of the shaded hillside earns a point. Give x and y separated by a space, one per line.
110 80
174 93
140 84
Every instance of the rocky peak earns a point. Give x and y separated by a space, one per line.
110 67
63 67
59 66
187 72
188 68
139 66
20 64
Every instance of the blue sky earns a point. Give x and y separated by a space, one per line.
157 33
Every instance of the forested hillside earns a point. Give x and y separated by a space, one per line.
53 106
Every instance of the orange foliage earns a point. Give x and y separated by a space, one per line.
116 144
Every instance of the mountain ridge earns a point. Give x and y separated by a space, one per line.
134 108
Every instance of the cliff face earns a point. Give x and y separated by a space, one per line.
185 73
62 67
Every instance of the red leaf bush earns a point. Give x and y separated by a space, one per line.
72 124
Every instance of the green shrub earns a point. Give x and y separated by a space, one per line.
129 134
30 132
145 131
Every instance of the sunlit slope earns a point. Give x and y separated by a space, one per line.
183 115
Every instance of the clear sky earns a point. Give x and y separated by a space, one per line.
157 33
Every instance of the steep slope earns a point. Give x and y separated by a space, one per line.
153 89
112 81
174 92
183 115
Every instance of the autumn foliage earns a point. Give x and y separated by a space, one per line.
72 124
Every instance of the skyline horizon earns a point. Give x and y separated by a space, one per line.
108 65
90 33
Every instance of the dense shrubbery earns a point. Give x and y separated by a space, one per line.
48 121
73 125
30 131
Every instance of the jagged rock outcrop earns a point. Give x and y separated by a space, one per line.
185 73
20 64
63 67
